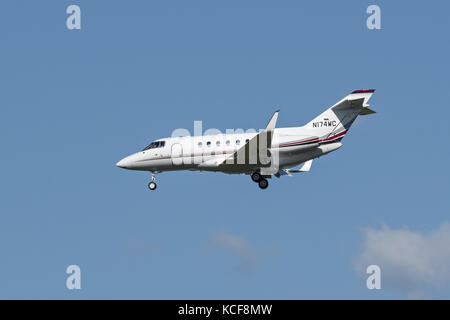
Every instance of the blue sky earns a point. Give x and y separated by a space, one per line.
75 102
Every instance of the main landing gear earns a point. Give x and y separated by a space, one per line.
258 178
152 184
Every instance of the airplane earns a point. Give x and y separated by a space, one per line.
261 155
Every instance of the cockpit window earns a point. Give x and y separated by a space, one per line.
155 144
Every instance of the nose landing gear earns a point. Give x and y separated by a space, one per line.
152 184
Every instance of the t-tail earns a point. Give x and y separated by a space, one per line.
333 124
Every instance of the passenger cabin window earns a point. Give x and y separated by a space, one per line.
155 144
238 142
218 143
247 140
199 144
228 142
208 143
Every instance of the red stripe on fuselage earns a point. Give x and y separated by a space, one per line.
314 139
301 141
335 136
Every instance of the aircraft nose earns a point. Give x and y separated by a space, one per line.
131 162
123 163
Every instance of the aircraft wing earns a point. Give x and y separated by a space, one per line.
214 162
250 153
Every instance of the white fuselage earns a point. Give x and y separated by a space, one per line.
292 145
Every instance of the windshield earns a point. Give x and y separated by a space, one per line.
155 144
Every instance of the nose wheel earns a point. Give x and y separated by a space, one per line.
152 184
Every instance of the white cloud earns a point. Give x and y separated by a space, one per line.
234 244
411 262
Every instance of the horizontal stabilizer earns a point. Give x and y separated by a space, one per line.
305 168
364 91
288 172
365 111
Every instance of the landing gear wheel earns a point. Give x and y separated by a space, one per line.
256 177
263 183
152 185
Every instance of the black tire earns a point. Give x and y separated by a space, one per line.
256 177
152 185
263 183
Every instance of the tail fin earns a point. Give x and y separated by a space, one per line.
335 122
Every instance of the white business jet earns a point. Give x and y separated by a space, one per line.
272 151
